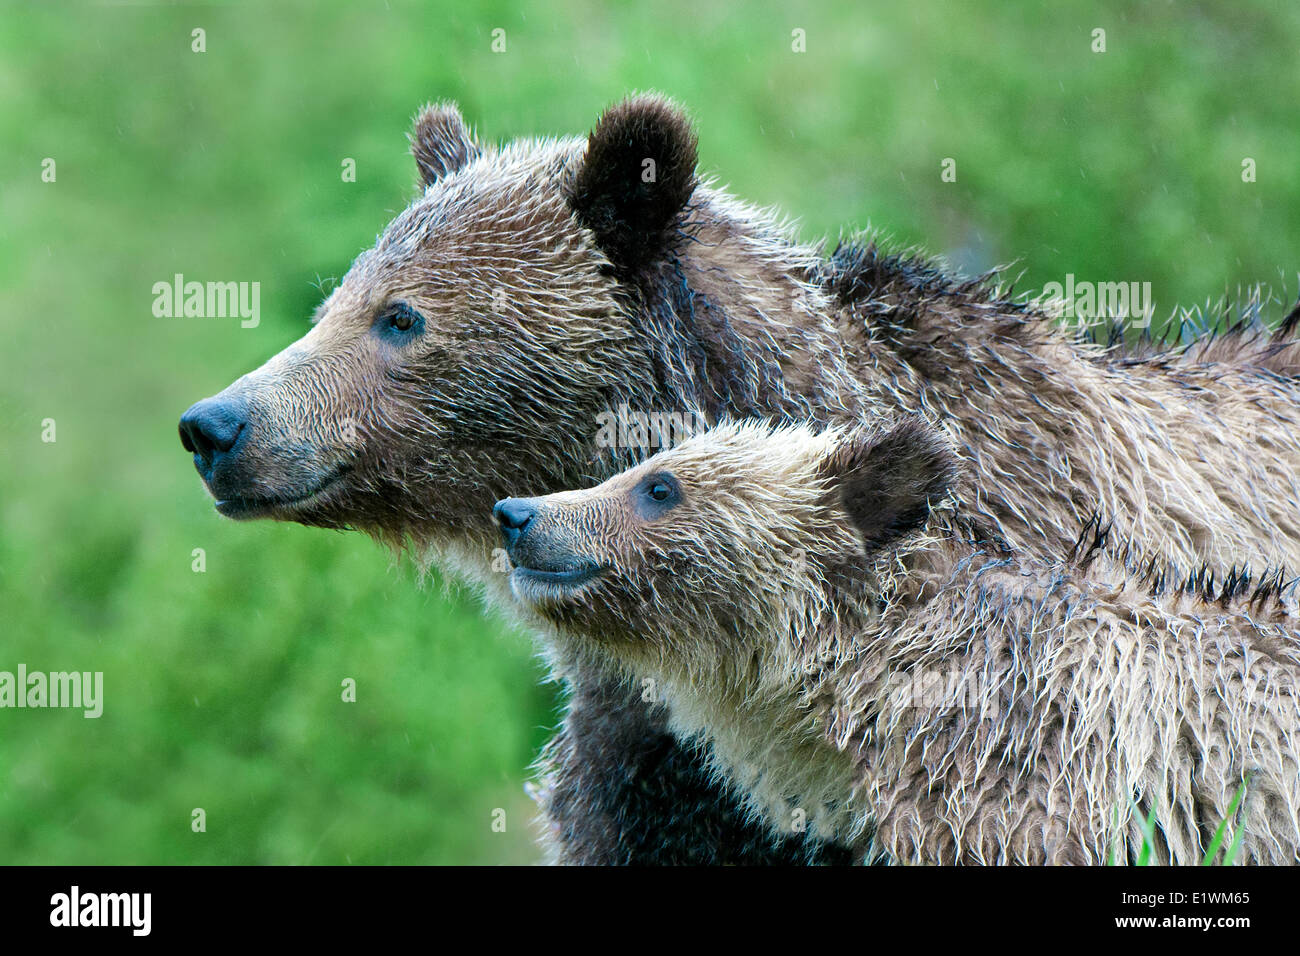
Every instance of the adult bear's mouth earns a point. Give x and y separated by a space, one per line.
249 508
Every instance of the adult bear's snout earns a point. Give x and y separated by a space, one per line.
210 429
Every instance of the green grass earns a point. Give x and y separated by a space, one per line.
223 688
1215 854
1233 848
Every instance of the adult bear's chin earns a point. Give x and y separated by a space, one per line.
308 506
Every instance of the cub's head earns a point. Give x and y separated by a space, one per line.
472 349
742 531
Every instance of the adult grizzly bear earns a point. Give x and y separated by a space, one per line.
856 664
534 287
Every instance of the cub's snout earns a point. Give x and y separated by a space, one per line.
513 516
545 549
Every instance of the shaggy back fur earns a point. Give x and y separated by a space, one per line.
1172 440
853 660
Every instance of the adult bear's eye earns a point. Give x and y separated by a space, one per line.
399 319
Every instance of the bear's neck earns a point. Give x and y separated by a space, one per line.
772 719
760 738
736 326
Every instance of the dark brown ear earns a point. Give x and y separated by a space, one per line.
637 175
887 479
441 142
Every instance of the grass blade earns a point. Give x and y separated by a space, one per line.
1114 844
1148 833
1222 830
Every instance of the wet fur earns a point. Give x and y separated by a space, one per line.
544 311
1072 697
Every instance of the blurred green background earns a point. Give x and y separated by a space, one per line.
223 687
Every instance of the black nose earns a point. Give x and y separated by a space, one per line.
210 428
513 515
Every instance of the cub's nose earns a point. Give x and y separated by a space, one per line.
513 515
209 429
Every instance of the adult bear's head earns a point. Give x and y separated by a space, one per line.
474 346
484 343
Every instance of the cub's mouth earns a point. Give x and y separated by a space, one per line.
541 585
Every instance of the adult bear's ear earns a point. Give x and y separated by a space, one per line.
637 175
441 142
887 478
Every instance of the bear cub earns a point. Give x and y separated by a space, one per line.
815 609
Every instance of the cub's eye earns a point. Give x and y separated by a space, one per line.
657 494
399 319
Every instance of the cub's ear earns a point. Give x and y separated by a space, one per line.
441 142
637 175
887 478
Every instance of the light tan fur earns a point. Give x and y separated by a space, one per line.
936 700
